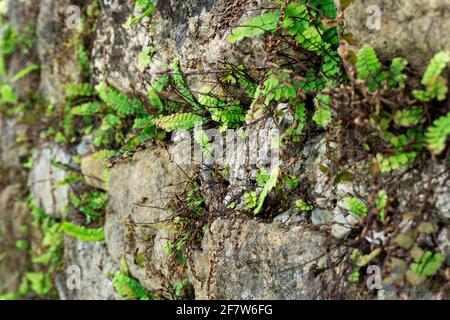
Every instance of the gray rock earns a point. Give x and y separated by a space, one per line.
254 260
44 177
409 28
13 215
343 225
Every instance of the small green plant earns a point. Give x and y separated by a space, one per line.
127 287
381 203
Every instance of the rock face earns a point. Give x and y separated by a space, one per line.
44 177
284 254
93 262
137 222
398 28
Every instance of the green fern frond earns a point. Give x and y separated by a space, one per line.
83 233
355 206
409 117
128 288
265 23
179 121
437 134
182 87
270 184
86 109
157 86
120 103
398 161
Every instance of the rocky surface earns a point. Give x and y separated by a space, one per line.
279 256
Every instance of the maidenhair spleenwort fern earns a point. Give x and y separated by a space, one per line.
437 134
122 104
83 233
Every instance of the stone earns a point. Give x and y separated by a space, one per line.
44 178
90 260
408 28
267 261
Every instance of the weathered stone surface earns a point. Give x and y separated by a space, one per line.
137 221
94 262
258 261
94 172
44 177
409 28
13 215
57 53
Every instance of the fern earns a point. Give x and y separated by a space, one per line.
401 160
435 84
355 206
79 90
206 146
228 112
182 87
409 118
438 133
153 93
322 116
148 8
179 121
396 76
270 184
128 288
83 233
120 103
255 26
